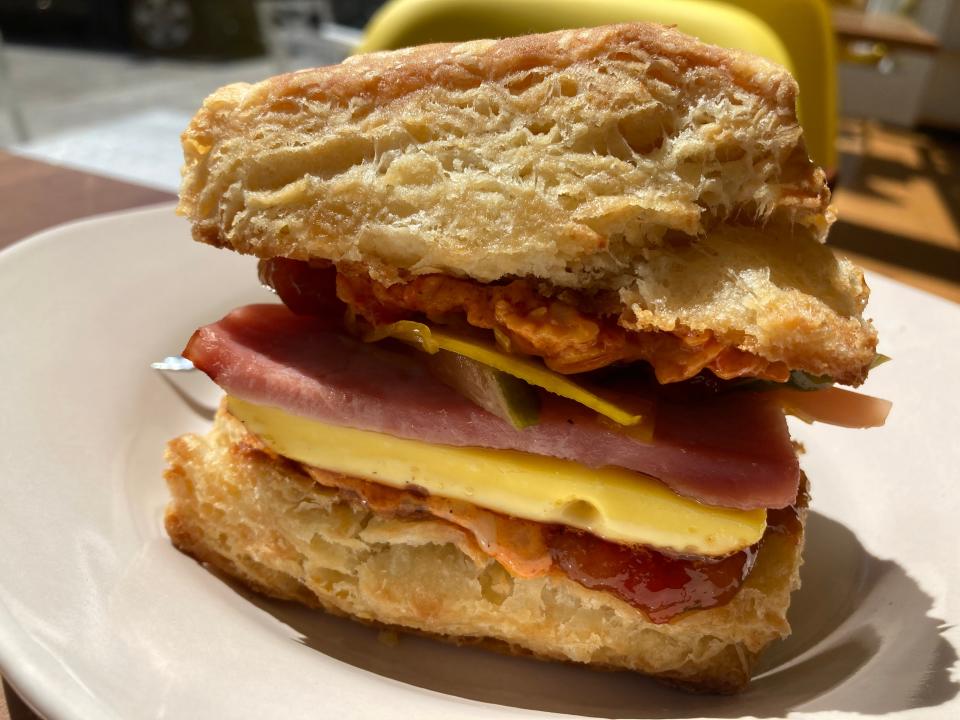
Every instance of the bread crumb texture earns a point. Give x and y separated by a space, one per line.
264 521
562 156
591 159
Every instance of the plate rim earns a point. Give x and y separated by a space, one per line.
25 662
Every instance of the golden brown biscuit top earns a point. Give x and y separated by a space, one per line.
601 159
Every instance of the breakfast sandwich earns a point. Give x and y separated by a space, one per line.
545 302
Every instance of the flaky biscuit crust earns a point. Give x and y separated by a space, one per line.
588 159
560 156
267 523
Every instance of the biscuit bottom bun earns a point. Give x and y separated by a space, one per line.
268 522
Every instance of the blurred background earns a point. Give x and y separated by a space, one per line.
106 86
94 95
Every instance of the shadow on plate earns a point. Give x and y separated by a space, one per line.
862 642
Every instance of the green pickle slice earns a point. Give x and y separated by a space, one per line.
434 340
497 392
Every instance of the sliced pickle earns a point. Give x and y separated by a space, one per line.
432 340
835 406
497 392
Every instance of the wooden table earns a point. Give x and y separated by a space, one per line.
895 31
36 195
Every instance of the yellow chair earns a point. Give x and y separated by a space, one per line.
806 31
402 23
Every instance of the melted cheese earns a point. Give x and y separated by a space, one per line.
612 503
432 339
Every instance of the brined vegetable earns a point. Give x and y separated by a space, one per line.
495 391
835 406
432 340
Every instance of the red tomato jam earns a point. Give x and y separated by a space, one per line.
663 586
660 585
785 521
304 288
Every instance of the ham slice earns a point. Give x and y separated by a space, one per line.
730 450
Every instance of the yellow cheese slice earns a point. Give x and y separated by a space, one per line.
612 503
432 339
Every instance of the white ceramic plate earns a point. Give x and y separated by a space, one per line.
101 618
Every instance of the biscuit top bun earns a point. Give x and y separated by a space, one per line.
602 159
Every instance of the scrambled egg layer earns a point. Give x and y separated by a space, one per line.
617 505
